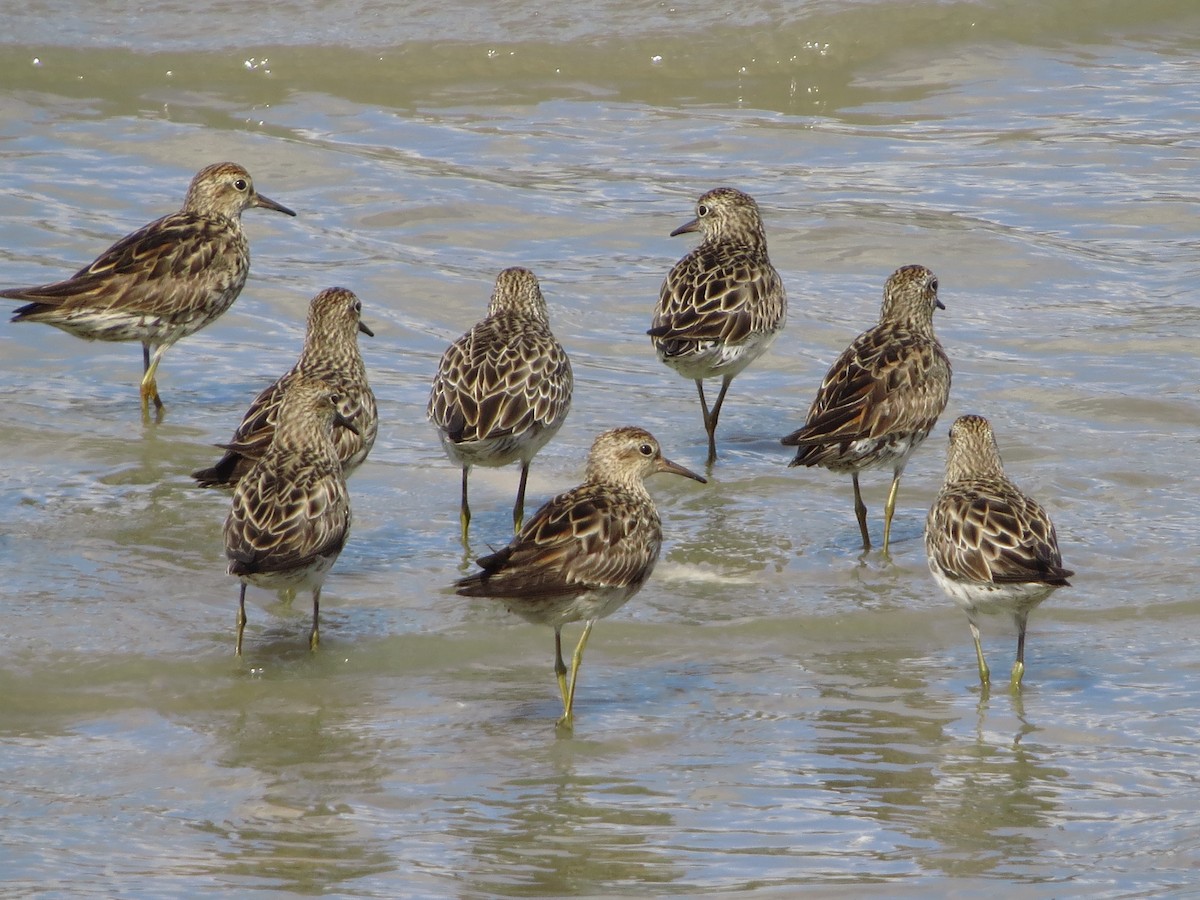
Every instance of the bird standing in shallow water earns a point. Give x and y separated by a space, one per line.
290 515
503 389
990 548
882 396
587 551
722 305
162 282
330 355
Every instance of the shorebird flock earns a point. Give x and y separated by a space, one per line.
502 391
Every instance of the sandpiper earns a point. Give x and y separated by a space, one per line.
882 396
587 551
331 355
162 282
722 305
503 389
990 547
290 515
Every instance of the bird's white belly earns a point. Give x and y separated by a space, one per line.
975 597
716 359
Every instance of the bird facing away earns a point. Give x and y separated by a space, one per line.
587 551
722 305
882 396
990 548
291 513
330 355
503 389
162 282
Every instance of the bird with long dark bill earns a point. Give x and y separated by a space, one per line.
163 282
722 305
331 355
586 552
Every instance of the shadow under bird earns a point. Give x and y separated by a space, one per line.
586 552
163 282
290 515
722 305
882 396
331 354
503 389
991 548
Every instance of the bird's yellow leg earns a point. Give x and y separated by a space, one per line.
560 667
569 709
985 677
314 636
464 509
1018 669
889 510
149 387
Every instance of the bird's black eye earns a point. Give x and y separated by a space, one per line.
933 285
702 210
646 450
240 184
358 307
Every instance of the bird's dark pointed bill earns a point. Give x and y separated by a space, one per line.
339 419
693 225
268 203
675 468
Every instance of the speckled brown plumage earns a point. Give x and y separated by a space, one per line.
989 546
163 282
883 395
331 354
503 389
290 514
722 305
587 551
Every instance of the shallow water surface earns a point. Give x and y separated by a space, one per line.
775 711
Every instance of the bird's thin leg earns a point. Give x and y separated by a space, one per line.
711 419
1018 669
241 619
464 509
569 711
149 387
519 508
985 677
314 636
716 408
890 509
560 667
703 404
860 510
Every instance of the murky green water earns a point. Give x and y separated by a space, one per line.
773 713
